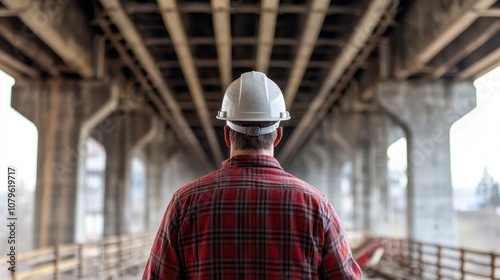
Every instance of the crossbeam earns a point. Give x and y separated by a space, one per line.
221 17
368 22
173 23
309 36
267 27
134 40
54 28
419 40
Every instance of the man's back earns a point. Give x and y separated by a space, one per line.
250 220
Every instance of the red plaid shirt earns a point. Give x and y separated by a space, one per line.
250 220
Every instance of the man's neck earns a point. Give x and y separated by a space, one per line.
265 152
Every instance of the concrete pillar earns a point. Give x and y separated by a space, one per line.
335 172
363 137
317 164
427 109
350 132
178 169
311 163
156 153
58 108
126 130
383 132
320 162
155 160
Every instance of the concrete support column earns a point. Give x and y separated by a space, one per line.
127 129
156 153
350 132
383 132
179 170
58 108
338 158
427 109
317 164
320 163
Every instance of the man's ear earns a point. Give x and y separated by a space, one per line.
226 136
279 135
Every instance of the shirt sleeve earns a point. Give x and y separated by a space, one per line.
163 262
337 261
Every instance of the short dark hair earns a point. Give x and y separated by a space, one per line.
245 142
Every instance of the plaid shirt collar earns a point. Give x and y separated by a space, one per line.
251 161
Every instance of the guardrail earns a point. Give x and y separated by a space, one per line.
406 259
111 257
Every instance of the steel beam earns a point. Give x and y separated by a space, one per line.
28 47
366 25
173 23
493 12
420 40
267 27
54 27
474 37
8 13
115 10
482 60
310 33
17 66
221 17
133 8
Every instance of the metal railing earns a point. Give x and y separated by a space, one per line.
111 257
406 259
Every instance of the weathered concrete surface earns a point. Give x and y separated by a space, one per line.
427 109
361 140
125 130
383 132
55 22
57 108
169 168
321 161
156 153
428 27
180 169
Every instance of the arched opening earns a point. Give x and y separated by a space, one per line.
138 194
475 168
398 180
93 190
19 150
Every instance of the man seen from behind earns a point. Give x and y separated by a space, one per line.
251 219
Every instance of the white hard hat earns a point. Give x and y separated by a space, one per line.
253 98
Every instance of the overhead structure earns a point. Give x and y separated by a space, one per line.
356 42
74 48
175 28
308 38
34 51
418 43
181 55
222 30
267 26
478 34
134 40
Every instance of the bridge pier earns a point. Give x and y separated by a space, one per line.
382 133
426 110
156 153
321 163
126 130
58 108
361 138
